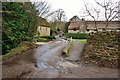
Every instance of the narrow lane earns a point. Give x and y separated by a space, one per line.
75 51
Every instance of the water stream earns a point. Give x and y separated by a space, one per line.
48 55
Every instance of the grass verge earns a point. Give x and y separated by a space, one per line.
81 40
20 49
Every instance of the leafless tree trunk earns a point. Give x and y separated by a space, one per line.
44 9
89 13
110 10
59 15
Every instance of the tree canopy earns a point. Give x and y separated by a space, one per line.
19 23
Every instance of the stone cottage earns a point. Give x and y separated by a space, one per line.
44 27
82 26
113 25
77 26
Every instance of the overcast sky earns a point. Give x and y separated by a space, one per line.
72 7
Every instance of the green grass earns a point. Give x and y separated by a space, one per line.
77 35
81 40
21 48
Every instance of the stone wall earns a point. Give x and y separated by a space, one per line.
102 49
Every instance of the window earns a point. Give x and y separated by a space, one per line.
74 29
103 29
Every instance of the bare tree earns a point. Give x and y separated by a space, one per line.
93 13
44 9
119 10
110 10
59 15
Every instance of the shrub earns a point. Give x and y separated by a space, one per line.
48 37
42 40
19 24
76 35
44 37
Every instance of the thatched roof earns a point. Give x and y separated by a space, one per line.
74 18
91 24
101 24
43 22
75 25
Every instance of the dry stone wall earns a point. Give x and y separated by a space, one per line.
102 48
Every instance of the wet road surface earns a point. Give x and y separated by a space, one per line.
33 61
47 62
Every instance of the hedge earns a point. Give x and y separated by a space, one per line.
47 37
77 35
42 40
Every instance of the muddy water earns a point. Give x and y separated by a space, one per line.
40 51
25 63
47 59
30 56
